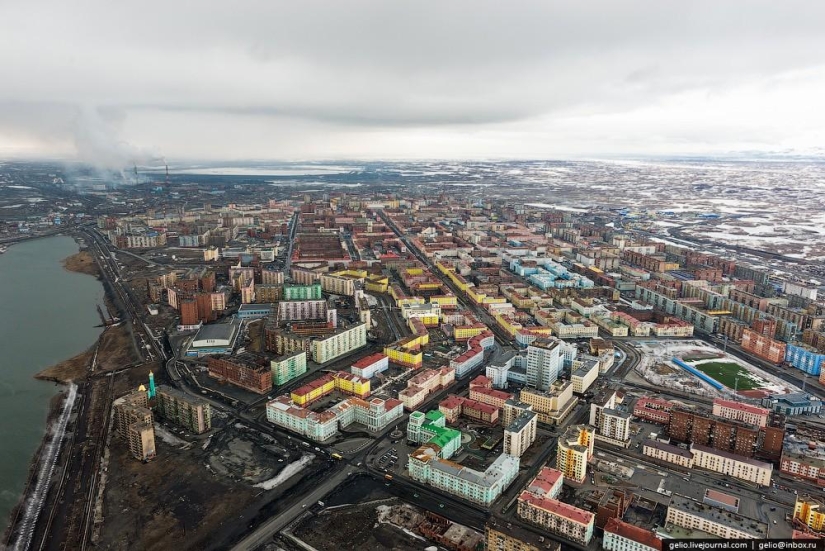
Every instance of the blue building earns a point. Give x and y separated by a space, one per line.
798 403
809 361
254 311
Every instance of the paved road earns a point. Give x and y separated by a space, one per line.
274 525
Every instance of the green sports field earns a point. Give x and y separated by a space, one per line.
727 372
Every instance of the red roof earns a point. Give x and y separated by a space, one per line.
558 508
740 406
545 481
632 532
368 361
312 385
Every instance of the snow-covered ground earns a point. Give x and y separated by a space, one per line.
662 352
290 470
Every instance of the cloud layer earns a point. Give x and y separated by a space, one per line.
326 79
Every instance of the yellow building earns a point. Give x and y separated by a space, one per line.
552 405
313 390
445 301
575 448
514 538
352 384
467 332
377 284
408 358
809 511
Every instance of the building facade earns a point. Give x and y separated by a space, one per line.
186 411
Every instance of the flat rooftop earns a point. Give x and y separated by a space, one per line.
757 529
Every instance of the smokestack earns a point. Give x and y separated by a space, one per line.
167 175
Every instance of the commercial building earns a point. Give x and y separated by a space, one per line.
213 339
556 517
288 367
475 486
554 405
810 512
520 434
752 415
254 311
186 411
795 403
693 515
431 429
736 466
574 451
246 371
668 453
543 363
623 536
374 414
367 367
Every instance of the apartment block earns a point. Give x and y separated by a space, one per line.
557 517
623 536
654 410
184 410
763 347
729 464
574 451
141 436
475 486
668 453
520 434
694 515
288 367
247 371
543 363
374 414
738 411
369 366
553 406
810 511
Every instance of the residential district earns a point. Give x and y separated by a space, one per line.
512 377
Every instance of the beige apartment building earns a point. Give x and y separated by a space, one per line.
694 515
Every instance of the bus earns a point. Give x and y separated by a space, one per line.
337 456
388 476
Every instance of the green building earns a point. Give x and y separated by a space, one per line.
430 428
302 292
288 367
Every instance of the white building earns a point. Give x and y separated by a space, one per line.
520 434
623 536
736 466
543 362
695 515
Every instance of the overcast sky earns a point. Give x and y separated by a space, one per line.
117 82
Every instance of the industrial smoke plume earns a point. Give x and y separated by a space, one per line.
97 141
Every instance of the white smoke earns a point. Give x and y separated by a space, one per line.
97 140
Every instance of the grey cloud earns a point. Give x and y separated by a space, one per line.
367 66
